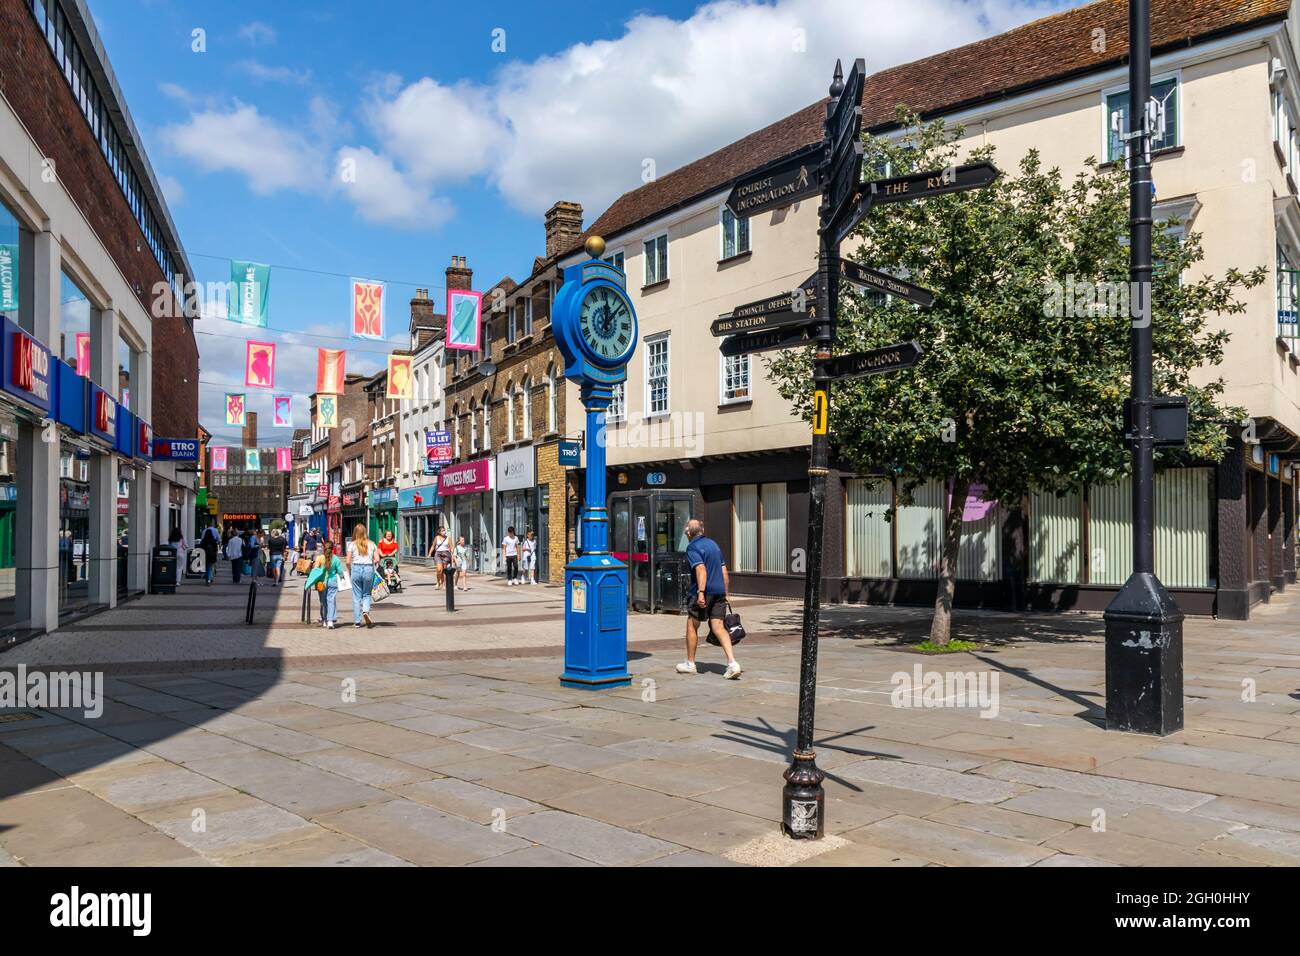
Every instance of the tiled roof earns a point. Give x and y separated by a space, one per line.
1033 55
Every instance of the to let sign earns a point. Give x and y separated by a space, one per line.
873 361
774 189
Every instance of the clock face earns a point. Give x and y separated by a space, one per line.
606 323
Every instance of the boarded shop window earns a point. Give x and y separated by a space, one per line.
867 541
1182 529
1055 538
773 501
744 527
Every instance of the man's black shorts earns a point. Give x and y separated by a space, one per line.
715 607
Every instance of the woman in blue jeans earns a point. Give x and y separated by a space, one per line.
327 573
361 568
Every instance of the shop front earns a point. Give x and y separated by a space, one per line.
516 495
419 515
468 486
300 506
383 512
353 505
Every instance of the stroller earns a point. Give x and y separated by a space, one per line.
389 574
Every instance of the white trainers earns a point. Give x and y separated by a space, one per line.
732 671
686 667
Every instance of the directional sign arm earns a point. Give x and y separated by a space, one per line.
878 281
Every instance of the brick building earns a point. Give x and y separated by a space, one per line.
384 456
505 408
91 266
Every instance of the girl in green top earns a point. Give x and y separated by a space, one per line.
326 573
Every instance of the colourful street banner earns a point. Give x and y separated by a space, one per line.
234 408
259 365
367 309
250 285
283 410
400 377
464 312
83 353
218 459
252 460
327 411
284 459
330 365
8 277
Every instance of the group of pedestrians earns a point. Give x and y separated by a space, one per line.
450 558
328 571
520 555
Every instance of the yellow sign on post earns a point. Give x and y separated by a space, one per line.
819 412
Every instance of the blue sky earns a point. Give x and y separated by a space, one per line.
334 139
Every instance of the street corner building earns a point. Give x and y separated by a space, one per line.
695 433
100 364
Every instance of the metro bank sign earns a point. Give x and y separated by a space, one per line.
27 368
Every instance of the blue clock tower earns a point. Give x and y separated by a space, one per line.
596 331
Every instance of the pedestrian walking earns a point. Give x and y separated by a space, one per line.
510 548
176 538
361 570
277 546
326 573
528 557
710 589
210 542
462 564
235 554
440 551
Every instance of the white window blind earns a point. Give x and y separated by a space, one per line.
744 527
774 500
867 539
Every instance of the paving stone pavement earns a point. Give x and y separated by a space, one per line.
332 755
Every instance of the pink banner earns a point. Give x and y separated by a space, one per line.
218 459
83 353
284 459
976 509
465 478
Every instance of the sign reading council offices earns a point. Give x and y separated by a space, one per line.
27 367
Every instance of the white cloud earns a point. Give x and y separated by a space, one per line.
274 74
383 194
257 33
240 139
173 191
580 124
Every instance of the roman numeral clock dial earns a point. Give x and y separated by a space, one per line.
605 320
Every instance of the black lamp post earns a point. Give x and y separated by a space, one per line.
1144 627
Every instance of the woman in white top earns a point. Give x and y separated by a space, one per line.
510 548
361 569
440 551
528 557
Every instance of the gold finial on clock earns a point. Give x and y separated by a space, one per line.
595 246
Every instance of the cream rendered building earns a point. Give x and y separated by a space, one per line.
1229 75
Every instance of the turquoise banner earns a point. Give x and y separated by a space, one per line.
8 277
250 285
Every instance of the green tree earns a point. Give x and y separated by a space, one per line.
1025 365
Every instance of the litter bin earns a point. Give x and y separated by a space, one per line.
162 570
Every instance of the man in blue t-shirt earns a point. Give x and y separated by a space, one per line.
709 588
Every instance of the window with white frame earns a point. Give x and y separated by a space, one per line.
617 410
759 527
615 258
656 259
528 315
473 427
487 421
735 379
656 376
510 411
512 330
735 234
1287 288
1164 91
526 403
552 401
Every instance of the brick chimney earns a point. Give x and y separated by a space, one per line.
459 275
250 429
563 227
421 313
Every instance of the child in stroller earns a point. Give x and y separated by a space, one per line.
388 571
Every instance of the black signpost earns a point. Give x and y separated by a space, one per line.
776 323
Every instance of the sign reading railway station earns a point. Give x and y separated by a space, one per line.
879 281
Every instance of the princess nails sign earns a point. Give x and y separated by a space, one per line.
27 368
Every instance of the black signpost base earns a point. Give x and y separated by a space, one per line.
802 799
1144 659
